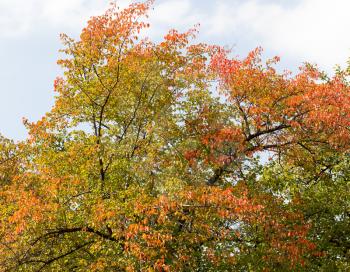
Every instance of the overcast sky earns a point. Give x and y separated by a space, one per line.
296 30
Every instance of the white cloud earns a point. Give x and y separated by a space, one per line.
14 20
19 18
310 30
172 12
168 14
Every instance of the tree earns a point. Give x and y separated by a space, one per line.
139 166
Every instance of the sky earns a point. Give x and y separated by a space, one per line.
316 31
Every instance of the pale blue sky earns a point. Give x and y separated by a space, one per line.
296 30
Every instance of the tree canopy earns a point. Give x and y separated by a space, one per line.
150 160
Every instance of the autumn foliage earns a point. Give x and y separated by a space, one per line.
149 160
